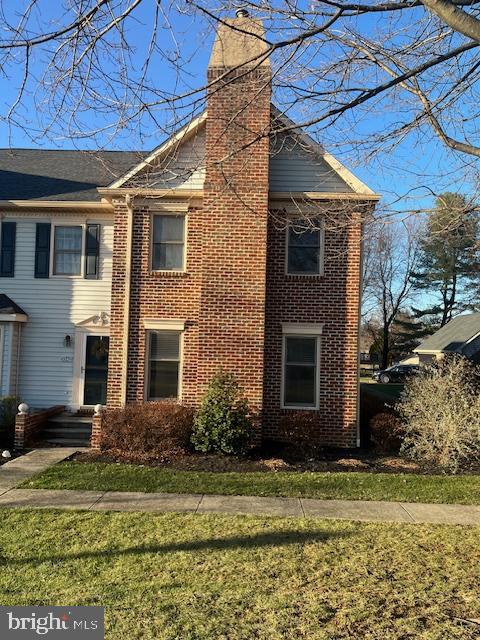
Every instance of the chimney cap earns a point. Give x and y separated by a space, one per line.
242 13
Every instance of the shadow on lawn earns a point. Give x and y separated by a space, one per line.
282 538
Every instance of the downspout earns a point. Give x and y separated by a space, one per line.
360 287
17 367
126 302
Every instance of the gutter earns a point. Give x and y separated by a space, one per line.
54 205
126 302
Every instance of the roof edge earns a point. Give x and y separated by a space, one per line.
10 205
181 136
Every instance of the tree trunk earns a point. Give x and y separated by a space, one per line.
385 346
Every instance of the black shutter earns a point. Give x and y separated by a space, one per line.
42 250
7 254
92 251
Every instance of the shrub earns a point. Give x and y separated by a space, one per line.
440 410
223 423
300 430
371 404
8 411
386 432
152 429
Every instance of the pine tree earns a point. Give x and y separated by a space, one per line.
449 265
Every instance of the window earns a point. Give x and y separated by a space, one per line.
67 251
300 374
304 251
163 365
168 242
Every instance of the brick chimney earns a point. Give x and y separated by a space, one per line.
235 207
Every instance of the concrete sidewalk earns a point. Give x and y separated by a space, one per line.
251 505
16 471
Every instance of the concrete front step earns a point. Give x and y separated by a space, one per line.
71 418
68 430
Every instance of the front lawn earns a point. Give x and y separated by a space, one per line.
172 576
407 487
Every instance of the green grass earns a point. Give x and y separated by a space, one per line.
102 476
187 577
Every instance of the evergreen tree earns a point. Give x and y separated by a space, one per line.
449 264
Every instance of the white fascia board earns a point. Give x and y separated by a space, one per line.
181 136
13 317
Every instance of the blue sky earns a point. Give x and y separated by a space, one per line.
405 174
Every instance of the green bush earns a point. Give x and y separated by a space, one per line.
8 411
223 422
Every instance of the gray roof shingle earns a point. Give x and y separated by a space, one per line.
453 336
41 174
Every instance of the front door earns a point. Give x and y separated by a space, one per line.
95 370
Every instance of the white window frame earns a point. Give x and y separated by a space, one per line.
301 330
54 225
174 326
176 213
320 272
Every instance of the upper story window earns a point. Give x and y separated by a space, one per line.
67 250
304 251
168 245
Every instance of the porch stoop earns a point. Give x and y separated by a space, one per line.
68 429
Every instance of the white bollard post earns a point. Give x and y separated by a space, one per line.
23 409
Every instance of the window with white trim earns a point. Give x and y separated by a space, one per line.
168 242
67 250
301 359
164 350
304 250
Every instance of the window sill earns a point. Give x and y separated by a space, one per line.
284 408
305 276
169 274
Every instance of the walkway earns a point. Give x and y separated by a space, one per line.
22 468
18 470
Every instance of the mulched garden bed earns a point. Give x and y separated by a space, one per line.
329 461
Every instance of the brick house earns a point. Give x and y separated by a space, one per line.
235 244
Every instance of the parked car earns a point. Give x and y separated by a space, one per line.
397 373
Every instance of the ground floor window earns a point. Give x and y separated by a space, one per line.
301 357
164 348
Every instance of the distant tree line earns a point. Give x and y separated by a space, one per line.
418 276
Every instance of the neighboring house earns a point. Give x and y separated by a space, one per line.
461 336
191 259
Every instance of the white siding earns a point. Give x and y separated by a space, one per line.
54 306
184 168
295 167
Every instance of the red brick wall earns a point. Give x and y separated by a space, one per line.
331 300
235 294
27 426
115 355
235 210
